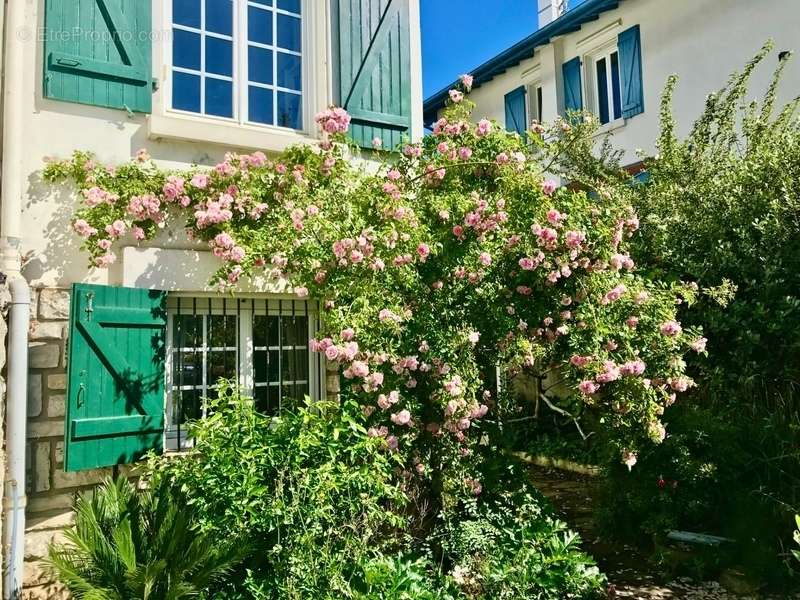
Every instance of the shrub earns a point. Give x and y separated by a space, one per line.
721 210
129 543
509 546
309 490
314 496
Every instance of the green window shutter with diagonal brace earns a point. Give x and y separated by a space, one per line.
99 52
373 43
115 389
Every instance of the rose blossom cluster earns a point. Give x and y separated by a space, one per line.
224 246
333 120
145 207
213 212
95 196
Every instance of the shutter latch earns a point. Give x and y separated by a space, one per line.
89 306
68 62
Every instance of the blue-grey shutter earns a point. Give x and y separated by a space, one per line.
573 94
373 41
99 52
516 111
630 65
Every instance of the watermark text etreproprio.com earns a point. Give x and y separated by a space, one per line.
79 34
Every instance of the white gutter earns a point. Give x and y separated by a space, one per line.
15 500
16 36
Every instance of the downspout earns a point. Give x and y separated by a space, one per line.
16 36
15 500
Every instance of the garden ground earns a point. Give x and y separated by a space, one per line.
626 566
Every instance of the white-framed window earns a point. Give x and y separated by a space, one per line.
240 61
603 82
262 343
535 101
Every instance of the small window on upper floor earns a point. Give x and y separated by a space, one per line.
536 99
240 60
608 104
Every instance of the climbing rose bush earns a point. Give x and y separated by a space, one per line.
454 255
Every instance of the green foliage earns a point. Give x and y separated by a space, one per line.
312 494
509 546
796 553
456 254
128 543
309 490
721 210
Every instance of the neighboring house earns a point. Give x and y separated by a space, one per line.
613 57
188 80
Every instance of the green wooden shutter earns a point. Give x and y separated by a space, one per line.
374 75
99 52
629 44
573 93
516 119
115 407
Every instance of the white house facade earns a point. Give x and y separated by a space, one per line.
613 58
187 80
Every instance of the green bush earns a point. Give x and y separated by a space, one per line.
128 543
309 490
312 494
509 546
721 210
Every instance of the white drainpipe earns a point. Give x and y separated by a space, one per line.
17 36
15 500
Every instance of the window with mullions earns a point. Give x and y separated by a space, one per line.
607 89
260 343
239 59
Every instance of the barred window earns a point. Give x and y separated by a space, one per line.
262 343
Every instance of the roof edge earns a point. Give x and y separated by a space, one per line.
512 56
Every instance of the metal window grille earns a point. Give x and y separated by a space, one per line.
261 343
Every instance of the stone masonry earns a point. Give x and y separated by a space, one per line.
50 490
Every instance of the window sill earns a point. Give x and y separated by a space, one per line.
197 129
611 126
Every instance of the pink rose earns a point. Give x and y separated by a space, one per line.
671 328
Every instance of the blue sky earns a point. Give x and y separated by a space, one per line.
459 35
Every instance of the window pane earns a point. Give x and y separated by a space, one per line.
186 12
295 331
261 104
187 331
259 25
289 110
266 400
290 74
289 5
615 85
219 98
186 405
222 329
602 90
301 365
539 101
186 49
259 65
289 32
219 16
219 56
186 92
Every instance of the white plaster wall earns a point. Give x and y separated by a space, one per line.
702 41
55 129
